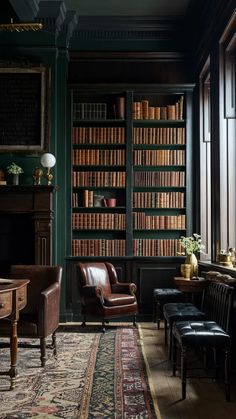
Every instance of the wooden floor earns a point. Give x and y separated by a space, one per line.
205 397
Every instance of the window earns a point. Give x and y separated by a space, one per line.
227 132
205 159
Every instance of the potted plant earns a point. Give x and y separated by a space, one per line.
192 246
15 170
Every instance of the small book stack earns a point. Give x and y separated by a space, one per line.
2 178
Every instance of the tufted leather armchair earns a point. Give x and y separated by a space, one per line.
40 317
102 296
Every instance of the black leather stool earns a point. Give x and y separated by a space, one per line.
173 312
162 296
193 335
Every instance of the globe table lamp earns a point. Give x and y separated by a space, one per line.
48 160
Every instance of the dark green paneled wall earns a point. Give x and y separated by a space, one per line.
12 50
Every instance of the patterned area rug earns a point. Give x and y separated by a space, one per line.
95 375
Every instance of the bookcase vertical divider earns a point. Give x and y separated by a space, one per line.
129 173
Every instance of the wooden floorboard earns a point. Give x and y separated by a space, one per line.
205 396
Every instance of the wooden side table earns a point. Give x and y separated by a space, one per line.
13 297
190 286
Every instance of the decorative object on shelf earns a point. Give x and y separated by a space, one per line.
2 178
110 202
192 245
14 170
98 200
120 108
224 258
232 255
37 174
48 160
185 269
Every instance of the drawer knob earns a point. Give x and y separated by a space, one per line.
2 305
20 299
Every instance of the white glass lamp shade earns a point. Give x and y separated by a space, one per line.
48 160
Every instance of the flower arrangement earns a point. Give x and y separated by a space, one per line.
14 169
192 244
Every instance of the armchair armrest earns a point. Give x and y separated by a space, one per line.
124 288
92 293
49 308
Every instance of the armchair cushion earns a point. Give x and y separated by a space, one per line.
112 300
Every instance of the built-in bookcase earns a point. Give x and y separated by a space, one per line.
159 173
130 171
99 175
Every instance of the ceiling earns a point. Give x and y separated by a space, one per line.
110 24
22 9
128 7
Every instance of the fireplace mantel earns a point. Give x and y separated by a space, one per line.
35 204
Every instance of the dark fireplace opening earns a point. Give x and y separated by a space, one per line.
16 241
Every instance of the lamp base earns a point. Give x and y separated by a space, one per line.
49 176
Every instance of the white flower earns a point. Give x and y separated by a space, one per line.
14 169
192 244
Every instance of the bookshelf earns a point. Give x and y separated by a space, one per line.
131 194
159 174
99 176
129 183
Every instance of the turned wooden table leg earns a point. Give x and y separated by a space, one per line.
13 351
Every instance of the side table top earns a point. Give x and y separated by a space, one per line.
190 285
12 284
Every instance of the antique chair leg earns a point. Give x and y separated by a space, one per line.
154 311
103 326
43 351
134 321
54 344
205 363
215 362
183 371
158 314
174 353
165 327
170 341
227 374
83 324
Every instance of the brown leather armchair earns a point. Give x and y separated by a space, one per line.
40 317
102 296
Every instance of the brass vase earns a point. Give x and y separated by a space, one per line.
192 260
185 269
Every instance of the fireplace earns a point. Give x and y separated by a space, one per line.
25 225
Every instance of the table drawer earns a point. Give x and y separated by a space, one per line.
5 304
22 297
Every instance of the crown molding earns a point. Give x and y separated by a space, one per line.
51 14
127 56
26 10
126 27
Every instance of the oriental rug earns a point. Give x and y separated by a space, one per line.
95 375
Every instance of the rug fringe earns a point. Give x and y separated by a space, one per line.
153 393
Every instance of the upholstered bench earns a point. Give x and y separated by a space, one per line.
162 296
210 333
